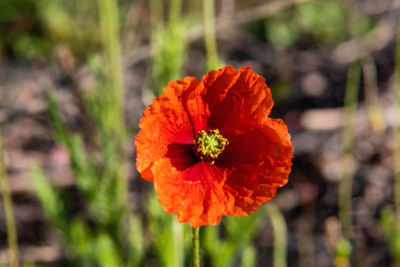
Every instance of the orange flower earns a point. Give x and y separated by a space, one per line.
210 148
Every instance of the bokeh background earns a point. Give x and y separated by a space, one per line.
75 77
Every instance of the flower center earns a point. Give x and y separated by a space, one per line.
209 144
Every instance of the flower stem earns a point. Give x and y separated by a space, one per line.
280 235
209 34
109 26
178 248
9 214
371 95
196 247
396 128
345 183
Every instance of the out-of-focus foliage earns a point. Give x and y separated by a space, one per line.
237 243
30 29
98 235
168 43
20 30
343 252
280 89
103 231
314 22
169 239
390 216
391 228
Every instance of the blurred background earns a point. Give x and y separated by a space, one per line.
75 77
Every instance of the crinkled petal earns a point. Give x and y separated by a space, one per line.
259 162
246 175
248 99
164 122
227 97
195 194
210 92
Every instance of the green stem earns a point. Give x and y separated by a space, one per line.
196 247
9 214
209 32
371 95
345 183
109 24
113 114
279 229
156 16
177 231
396 127
174 12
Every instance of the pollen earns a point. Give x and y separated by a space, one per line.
209 144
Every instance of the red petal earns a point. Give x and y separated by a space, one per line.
258 162
210 92
227 97
163 123
195 194
248 99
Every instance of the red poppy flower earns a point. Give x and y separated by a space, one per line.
210 148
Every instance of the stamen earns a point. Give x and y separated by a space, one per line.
209 144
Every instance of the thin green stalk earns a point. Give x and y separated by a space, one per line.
345 183
371 95
177 230
280 236
111 94
396 127
209 34
174 12
156 11
196 247
109 24
168 43
9 214
248 257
